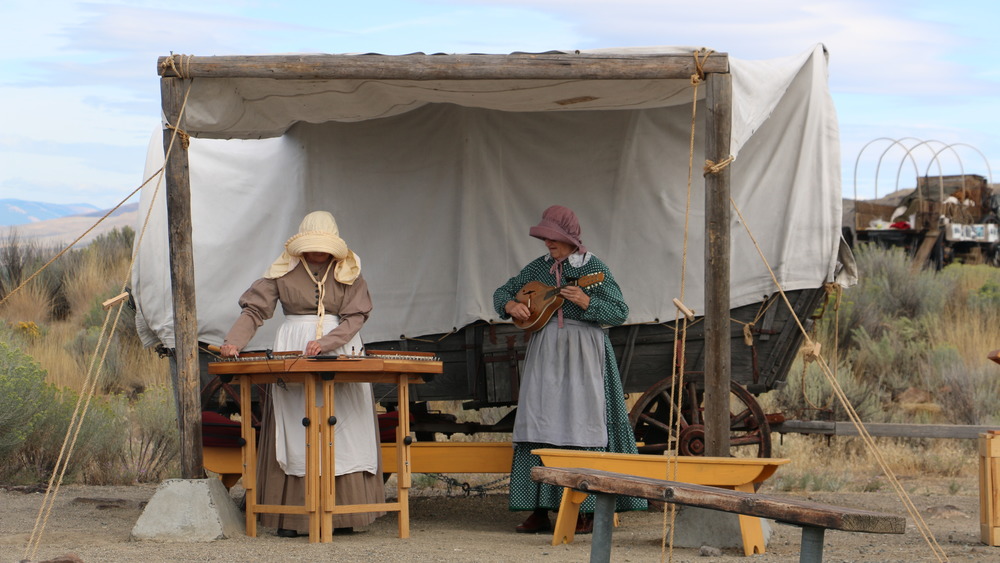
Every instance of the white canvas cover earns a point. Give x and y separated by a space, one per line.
435 184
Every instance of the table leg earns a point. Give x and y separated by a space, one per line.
328 483
312 460
249 456
403 477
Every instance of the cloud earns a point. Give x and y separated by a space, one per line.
875 47
74 115
79 78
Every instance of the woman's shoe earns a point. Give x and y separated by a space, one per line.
537 523
286 533
584 523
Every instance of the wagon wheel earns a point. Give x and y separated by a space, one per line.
748 427
222 397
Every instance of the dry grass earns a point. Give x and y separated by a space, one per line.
96 279
904 358
55 358
856 468
971 318
32 303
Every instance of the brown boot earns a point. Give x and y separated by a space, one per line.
537 523
584 523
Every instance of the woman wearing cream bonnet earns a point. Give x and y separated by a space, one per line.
325 300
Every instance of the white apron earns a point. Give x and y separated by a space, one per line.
561 400
354 434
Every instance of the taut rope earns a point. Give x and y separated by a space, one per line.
90 381
851 412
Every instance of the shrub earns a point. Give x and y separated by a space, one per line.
970 395
889 290
22 397
808 395
99 432
35 417
987 297
155 441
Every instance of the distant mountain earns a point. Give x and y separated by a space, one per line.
21 212
64 230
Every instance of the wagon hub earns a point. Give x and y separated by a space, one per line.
692 440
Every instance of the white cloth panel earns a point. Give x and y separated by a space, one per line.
437 202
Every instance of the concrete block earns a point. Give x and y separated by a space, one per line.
189 510
697 527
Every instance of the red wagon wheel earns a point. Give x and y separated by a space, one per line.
221 396
750 434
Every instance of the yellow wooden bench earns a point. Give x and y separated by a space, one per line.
426 457
226 462
740 474
452 457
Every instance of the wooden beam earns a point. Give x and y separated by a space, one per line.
719 104
950 431
540 66
187 380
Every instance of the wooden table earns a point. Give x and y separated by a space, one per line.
320 496
739 474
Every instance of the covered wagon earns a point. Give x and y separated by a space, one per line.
435 166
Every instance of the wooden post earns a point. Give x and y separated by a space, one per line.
989 488
718 100
187 380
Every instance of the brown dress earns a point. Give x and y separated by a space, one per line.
297 295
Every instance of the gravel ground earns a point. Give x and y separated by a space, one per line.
93 523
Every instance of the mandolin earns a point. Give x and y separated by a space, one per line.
544 300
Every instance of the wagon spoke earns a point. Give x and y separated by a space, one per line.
746 440
736 420
654 422
693 404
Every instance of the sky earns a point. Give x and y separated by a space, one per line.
81 94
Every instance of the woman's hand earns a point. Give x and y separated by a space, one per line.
228 351
313 348
517 310
575 295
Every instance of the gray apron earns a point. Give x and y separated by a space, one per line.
561 401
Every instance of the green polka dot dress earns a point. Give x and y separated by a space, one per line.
607 307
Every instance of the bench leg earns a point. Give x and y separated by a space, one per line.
811 550
569 509
604 516
750 527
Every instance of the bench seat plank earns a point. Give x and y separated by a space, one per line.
791 511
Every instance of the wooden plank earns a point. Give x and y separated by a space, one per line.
541 66
187 378
989 489
332 366
718 360
926 247
952 431
792 511
452 457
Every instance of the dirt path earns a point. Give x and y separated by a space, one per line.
94 524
